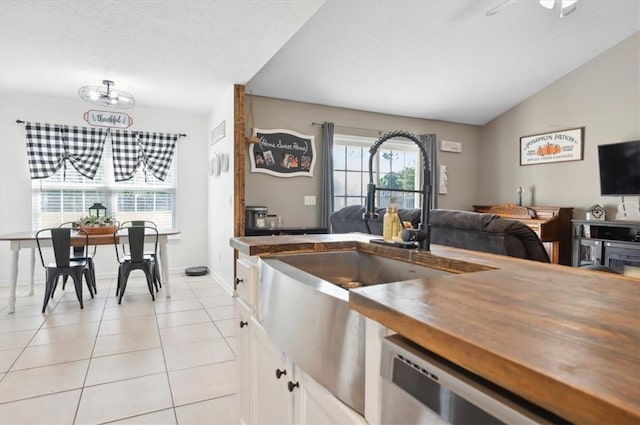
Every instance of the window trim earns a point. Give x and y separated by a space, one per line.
110 189
367 142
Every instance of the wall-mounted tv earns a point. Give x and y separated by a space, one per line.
619 168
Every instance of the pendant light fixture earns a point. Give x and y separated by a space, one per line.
107 96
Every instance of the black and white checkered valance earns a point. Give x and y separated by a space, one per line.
49 147
132 148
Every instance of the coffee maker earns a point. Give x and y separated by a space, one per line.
255 217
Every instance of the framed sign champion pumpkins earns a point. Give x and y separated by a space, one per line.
566 145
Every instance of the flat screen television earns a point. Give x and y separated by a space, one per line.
619 168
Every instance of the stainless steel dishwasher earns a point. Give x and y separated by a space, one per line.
418 387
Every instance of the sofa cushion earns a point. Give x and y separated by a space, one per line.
349 219
486 233
460 229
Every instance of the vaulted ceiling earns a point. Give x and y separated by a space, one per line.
437 59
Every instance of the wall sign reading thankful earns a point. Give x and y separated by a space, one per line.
108 119
559 146
282 153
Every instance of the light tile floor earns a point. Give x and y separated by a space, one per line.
171 361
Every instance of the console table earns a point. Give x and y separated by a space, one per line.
553 227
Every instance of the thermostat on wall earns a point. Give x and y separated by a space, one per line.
448 146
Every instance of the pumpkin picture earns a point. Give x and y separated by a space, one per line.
548 149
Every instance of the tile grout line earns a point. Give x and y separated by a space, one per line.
164 360
95 341
101 323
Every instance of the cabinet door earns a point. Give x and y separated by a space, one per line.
273 401
315 405
590 252
246 281
244 360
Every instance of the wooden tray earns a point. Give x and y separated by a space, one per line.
99 230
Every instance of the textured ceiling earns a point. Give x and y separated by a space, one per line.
444 60
439 59
168 54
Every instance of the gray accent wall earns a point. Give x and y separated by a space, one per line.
284 196
603 96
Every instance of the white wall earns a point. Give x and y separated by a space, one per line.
603 96
284 196
189 249
221 194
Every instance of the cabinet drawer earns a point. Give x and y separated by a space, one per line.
246 284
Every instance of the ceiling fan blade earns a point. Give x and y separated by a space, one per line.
548 4
498 8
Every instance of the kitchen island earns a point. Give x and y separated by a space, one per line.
562 338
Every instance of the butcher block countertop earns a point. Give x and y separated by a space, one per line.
563 338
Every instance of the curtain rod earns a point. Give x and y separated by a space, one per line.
19 121
354 128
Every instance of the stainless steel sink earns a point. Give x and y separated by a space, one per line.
352 269
304 307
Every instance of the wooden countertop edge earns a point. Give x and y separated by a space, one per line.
556 396
567 401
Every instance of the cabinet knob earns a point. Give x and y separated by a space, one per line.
292 386
243 324
280 372
239 281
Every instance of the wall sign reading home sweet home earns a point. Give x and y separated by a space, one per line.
560 146
282 153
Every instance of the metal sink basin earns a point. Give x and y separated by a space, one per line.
304 306
352 269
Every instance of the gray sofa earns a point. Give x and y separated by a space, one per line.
460 229
349 219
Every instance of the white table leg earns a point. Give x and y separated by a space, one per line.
33 270
14 278
164 266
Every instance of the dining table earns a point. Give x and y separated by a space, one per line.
27 240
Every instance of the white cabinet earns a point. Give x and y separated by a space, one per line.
274 378
245 289
315 405
272 389
244 361
247 280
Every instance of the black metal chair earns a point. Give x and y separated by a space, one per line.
157 281
136 259
61 263
138 223
78 254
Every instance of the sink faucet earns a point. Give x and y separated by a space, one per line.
423 235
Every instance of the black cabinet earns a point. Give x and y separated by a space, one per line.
614 244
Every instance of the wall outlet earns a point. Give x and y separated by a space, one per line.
309 200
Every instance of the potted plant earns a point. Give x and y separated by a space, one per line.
97 225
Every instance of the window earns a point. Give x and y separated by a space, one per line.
56 200
396 165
